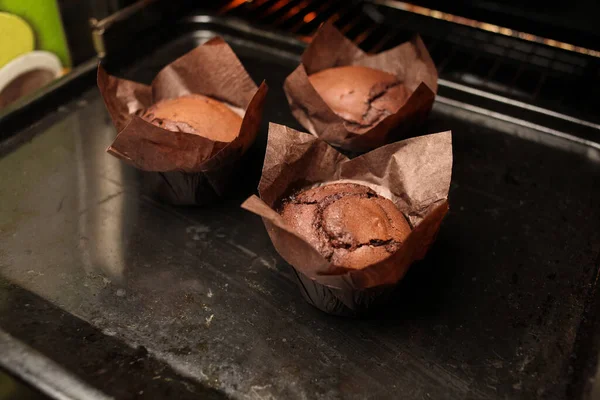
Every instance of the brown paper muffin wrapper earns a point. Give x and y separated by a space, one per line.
410 62
183 168
414 174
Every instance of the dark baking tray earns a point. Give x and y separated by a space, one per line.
139 299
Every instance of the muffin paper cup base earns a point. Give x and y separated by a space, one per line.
180 188
192 188
342 302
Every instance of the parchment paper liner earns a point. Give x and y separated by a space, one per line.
410 62
183 168
415 174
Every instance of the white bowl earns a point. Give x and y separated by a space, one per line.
34 60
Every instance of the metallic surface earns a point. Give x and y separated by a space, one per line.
519 68
42 372
27 109
141 299
484 26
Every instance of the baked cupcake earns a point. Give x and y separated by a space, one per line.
351 228
187 131
356 101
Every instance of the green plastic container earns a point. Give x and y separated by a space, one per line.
43 16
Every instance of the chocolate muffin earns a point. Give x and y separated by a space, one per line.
349 224
360 95
196 114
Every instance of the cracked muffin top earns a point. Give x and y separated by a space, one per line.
349 224
196 114
360 95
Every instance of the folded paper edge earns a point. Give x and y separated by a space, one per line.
256 106
439 137
327 30
137 123
423 56
103 81
216 41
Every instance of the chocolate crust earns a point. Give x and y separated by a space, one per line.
195 114
360 95
349 224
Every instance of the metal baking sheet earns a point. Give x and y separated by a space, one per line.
138 299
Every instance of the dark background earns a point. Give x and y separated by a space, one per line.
574 22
